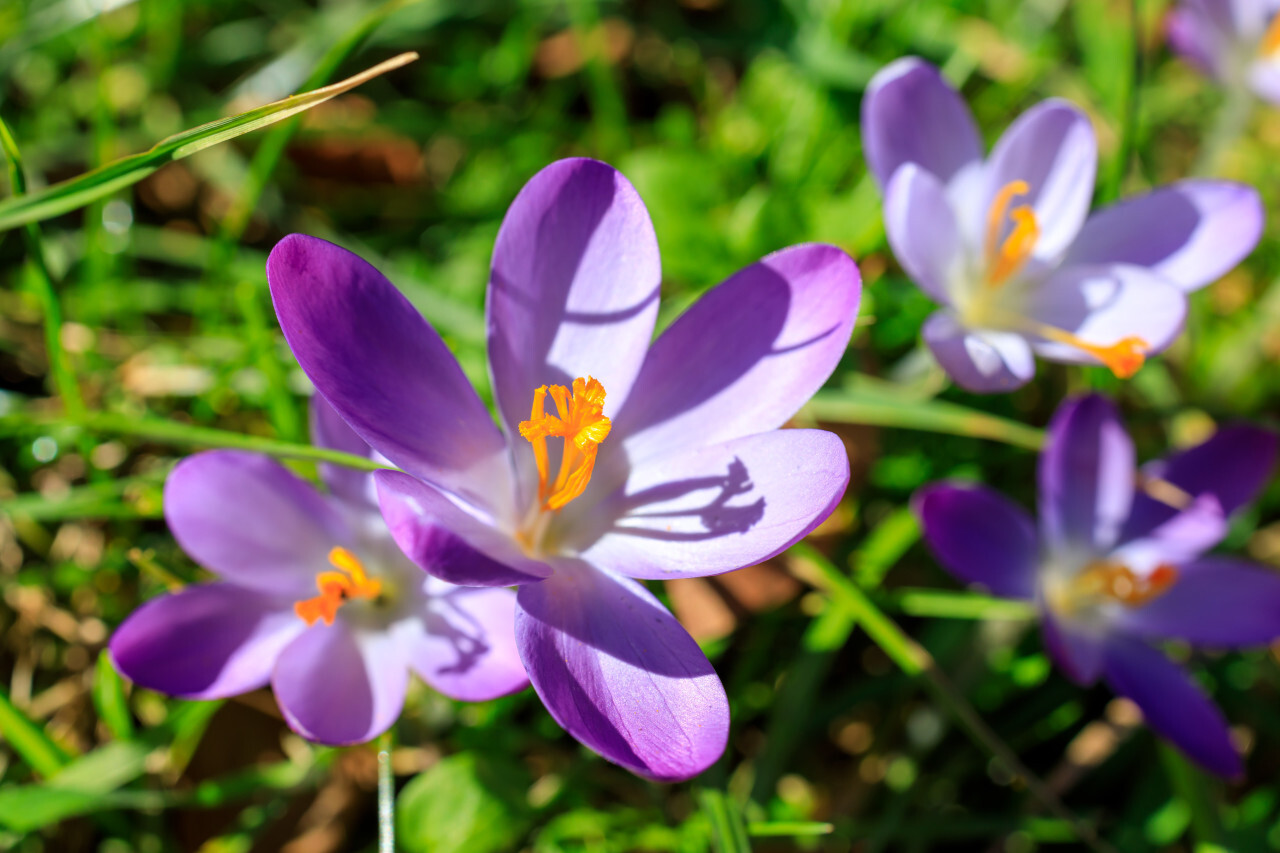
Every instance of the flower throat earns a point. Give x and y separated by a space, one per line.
1004 259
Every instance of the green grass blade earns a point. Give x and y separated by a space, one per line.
728 829
83 189
792 829
877 404
109 699
29 740
947 604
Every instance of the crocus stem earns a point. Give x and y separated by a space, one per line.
386 797
1227 129
186 435
914 660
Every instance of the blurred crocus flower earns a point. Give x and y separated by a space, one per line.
314 597
1237 42
1003 244
616 460
1119 562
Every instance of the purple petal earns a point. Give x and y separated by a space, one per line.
620 674
718 508
744 358
982 361
339 685
980 537
1086 476
1182 537
1216 602
205 642
573 291
253 522
911 115
466 645
1172 703
1191 36
1103 305
1077 651
1052 148
923 231
1232 466
329 430
447 542
1264 79
384 369
1191 232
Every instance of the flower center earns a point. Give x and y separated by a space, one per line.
1004 258
581 424
1103 581
1269 48
1012 233
349 581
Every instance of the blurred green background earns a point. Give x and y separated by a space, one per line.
737 120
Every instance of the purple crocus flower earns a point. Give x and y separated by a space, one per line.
1004 246
660 460
1120 561
314 597
1237 42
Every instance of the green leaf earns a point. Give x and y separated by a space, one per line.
81 190
29 740
728 828
466 803
110 700
106 768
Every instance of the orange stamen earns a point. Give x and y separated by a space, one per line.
1270 47
1125 357
349 581
1005 258
1120 583
582 426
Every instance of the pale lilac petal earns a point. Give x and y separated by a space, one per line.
1086 476
923 231
911 115
1194 40
384 369
1053 149
1264 79
1182 537
1077 651
205 642
1191 233
465 645
1232 466
979 360
744 358
620 674
1216 601
573 290
718 508
339 685
1173 705
448 542
251 521
1103 305
330 431
980 537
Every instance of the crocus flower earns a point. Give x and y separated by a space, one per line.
616 460
1237 42
313 597
1119 562
1003 244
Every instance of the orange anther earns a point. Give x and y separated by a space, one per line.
1270 46
349 581
1005 257
582 425
1120 583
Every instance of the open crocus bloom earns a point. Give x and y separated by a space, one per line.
314 597
1235 41
616 460
1119 561
1004 244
